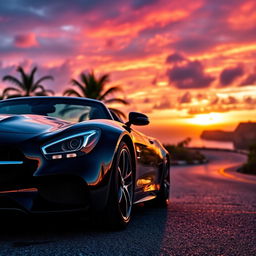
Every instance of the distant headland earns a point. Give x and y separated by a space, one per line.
242 137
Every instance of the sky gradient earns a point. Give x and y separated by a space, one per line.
189 65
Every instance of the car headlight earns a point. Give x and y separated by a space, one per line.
72 146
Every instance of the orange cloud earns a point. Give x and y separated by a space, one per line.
138 21
244 17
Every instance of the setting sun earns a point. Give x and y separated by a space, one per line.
206 119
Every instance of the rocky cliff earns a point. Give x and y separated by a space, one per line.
243 136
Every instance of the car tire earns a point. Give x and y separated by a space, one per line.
120 201
162 198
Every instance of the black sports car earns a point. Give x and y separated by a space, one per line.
63 154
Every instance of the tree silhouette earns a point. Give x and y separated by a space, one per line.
92 87
27 85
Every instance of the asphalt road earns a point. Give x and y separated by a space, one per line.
211 213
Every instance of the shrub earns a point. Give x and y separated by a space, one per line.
250 166
180 152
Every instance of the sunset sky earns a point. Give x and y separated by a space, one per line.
189 65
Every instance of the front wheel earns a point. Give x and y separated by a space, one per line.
119 208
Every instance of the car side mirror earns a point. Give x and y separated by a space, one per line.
137 118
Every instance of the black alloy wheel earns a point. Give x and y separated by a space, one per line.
120 202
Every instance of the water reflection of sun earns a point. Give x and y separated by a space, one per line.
206 119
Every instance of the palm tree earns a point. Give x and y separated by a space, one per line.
26 86
92 87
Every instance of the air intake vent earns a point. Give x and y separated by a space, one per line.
16 171
10 154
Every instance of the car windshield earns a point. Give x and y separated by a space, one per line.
69 109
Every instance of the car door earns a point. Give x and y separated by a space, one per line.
148 163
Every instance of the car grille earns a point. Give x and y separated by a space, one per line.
16 171
9 154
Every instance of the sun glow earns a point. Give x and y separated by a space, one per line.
206 119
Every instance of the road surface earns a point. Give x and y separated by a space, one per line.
211 213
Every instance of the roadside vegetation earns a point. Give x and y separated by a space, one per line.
250 166
181 152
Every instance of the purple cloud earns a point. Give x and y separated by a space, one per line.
185 98
230 100
189 76
137 4
229 75
214 100
175 58
163 104
249 80
250 100
194 44
201 96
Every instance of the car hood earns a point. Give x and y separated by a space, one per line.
31 124
16 129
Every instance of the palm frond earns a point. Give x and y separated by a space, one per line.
36 87
42 93
38 82
70 92
48 91
20 70
84 78
10 89
109 91
117 112
13 80
33 71
116 100
80 86
24 78
14 96
104 79
93 88
32 76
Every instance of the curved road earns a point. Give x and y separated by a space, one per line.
211 213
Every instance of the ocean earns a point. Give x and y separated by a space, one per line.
173 135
